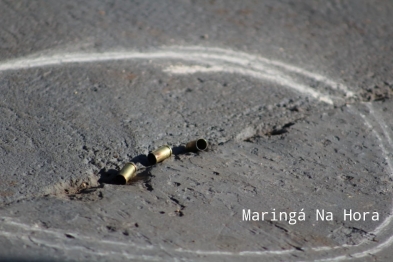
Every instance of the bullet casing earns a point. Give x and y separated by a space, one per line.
197 145
126 173
159 154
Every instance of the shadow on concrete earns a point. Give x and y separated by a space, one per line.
144 176
141 159
178 150
107 176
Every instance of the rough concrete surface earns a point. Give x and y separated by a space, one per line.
294 97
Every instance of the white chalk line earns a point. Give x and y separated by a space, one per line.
255 67
255 61
385 152
368 252
385 131
60 59
389 219
270 62
62 235
242 63
92 250
95 251
284 81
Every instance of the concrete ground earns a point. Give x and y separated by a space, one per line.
294 97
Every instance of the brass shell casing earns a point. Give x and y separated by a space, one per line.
126 173
159 154
197 145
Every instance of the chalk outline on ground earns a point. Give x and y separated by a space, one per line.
218 60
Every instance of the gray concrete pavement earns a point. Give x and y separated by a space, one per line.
293 97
